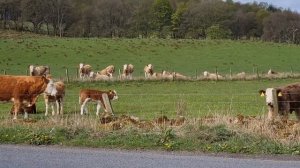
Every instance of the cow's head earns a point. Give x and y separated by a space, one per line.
50 89
268 93
112 94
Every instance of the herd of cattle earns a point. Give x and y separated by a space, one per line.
23 91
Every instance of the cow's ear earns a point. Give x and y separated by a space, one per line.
110 92
279 93
262 93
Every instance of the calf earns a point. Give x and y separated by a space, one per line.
87 95
39 70
57 99
288 100
31 109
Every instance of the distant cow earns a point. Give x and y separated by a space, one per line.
24 90
108 71
212 76
39 70
148 69
87 95
84 70
288 100
173 75
127 71
55 100
271 72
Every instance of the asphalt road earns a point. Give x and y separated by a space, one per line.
61 157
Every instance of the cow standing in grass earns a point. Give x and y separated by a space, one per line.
39 70
55 100
87 95
288 100
23 91
148 69
84 70
127 71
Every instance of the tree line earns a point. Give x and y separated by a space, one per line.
196 19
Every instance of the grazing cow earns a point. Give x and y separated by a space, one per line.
108 71
241 75
87 95
173 75
212 76
39 70
24 90
84 70
57 99
148 69
127 71
288 98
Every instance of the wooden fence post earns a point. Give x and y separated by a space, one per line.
67 75
196 74
217 73
4 72
257 74
107 104
230 71
274 113
77 73
292 72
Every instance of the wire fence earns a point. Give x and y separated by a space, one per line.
153 105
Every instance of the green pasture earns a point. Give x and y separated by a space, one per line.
152 99
189 57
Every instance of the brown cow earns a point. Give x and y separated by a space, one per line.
288 100
39 70
87 95
24 90
108 71
57 99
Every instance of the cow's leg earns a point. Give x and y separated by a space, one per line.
60 105
83 106
298 114
47 106
17 106
98 107
25 113
52 107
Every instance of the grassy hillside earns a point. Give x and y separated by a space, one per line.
185 56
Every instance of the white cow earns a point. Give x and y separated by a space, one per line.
127 71
108 71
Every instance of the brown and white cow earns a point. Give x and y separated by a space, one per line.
288 100
84 70
148 69
55 100
39 70
108 71
24 90
87 95
127 71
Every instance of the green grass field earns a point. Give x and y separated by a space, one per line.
149 99
184 56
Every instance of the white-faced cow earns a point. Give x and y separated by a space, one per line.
39 70
108 71
87 95
148 69
288 100
84 70
127 71
24 90
55 100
